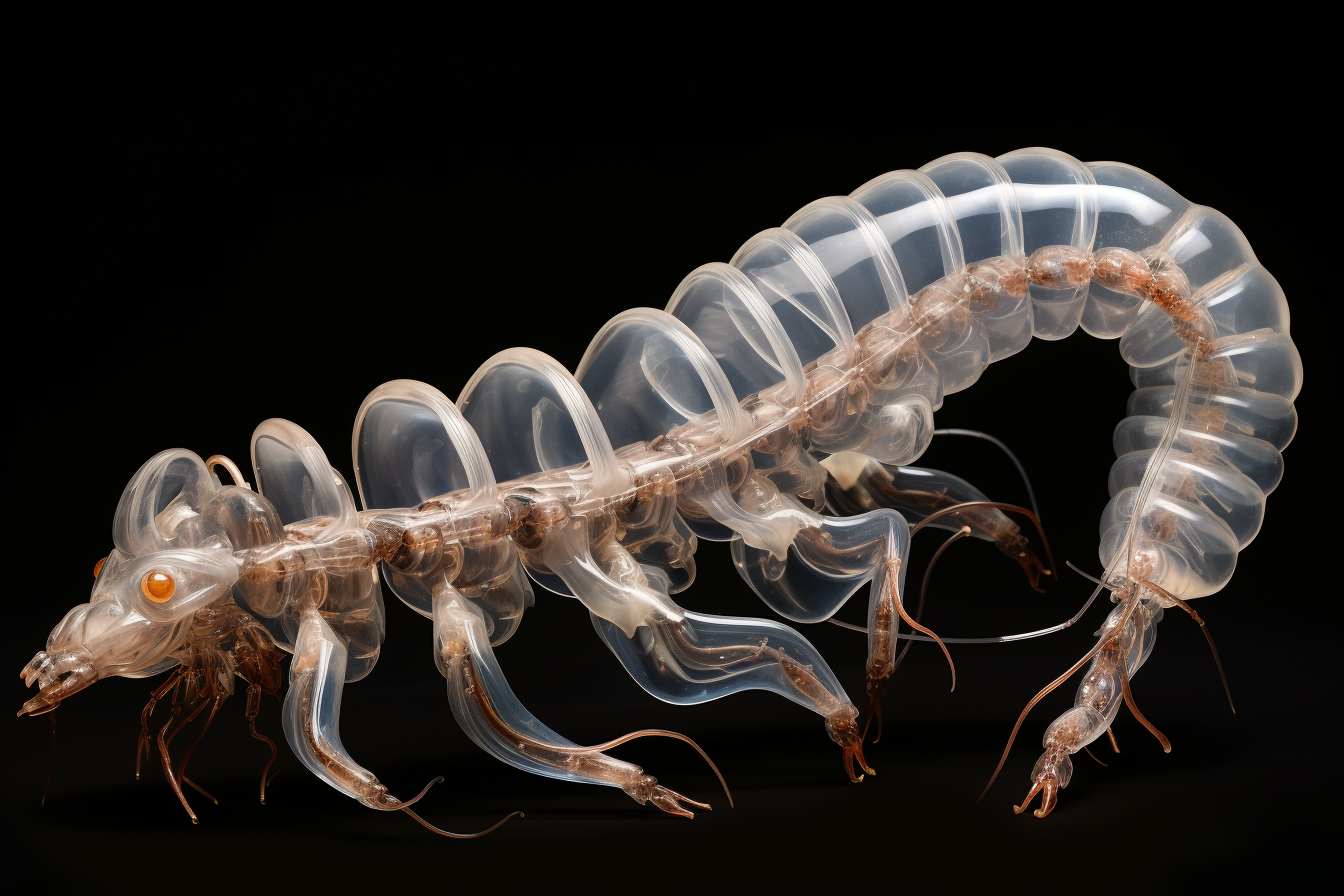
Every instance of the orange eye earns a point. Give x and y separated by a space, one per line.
98 567
157 585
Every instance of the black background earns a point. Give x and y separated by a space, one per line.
198 252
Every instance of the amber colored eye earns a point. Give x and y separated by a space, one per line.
98 567
157 585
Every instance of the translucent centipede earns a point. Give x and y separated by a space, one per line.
777 403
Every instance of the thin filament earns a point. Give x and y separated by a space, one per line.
1134 708
999 639
924 589
252 728
186 757
1091 578
1021 470
1094 757
996 505
442 833
483 701
900 608
402 804
1208 636
657 732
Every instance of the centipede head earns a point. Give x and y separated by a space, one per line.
171 559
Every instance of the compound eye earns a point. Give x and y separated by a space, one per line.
157 585
98 567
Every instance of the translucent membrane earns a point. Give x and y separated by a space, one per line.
531 417
410 444
1134 211
917 224
855 255
1057 197
984 205
723 308
793 282
294 474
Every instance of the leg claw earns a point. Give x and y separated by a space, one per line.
854 754
874 712
1049 797
670 802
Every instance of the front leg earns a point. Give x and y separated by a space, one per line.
312 714
492 716
859 484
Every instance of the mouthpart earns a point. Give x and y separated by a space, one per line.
57 677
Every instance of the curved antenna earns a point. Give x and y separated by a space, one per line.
1203 627
1134 708
924 590
893 567
1021 470
997 505
657 732
219 460
402 804
1094 757
442 833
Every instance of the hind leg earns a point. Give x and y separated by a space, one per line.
859 484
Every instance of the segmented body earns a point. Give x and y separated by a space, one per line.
839 333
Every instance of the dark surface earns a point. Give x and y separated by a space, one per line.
280 248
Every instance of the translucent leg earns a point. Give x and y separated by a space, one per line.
312 714
805 566
802 564
491 715
859 484
686 657
1126 640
